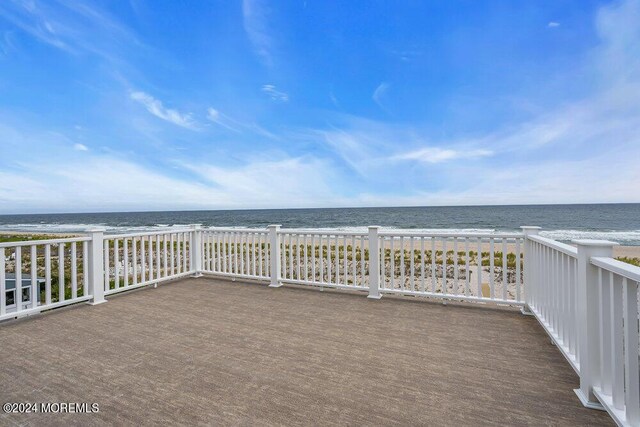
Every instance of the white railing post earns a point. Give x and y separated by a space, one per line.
588 319
528 230
96 266
374 263
274 256
195 250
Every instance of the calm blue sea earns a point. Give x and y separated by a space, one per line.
617 222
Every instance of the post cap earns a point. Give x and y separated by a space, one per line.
590 242
195 225
274 226
96 230
374 226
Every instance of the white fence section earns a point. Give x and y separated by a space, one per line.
140 259
614 377
552 288
584 299
241 253
588 303
334 259
478 267
38 275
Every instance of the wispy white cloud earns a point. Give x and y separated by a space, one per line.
71 26
379 93
275 94
216 116
334 100
155 107
439 155
223 120
256 24
80 147
553 24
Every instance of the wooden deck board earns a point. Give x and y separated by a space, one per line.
208 351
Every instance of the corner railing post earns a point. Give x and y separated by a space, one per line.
96 265
527 256
195 250
274 256
374 263
588 319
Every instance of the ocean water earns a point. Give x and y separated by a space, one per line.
617 222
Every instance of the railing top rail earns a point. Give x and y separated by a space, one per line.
324 232
45 242
620 268
237 230
453 235
562 247
147 233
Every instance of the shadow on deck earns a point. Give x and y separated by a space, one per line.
209 351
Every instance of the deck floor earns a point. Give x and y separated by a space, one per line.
213 352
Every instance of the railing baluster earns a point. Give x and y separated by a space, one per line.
321 259
18 278
605 314
402 264
298 263
116 261
504 269
254 237
173 255
455 266
61 284
337 259
85 269
434 274
158 258
392 280
467 279
185 257
616 350
125 247
411 264
422 263
479 266
134 261
34 293
47 273
305 275
344 260
518 281
261 254
353 261
492 290
445 288
165 260
74 271
630 313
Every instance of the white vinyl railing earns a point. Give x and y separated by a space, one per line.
335 259
478 267
55 272
139 259
552 292
242 253
588 304
584 299
616 381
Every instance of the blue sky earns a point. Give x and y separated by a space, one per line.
152 105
